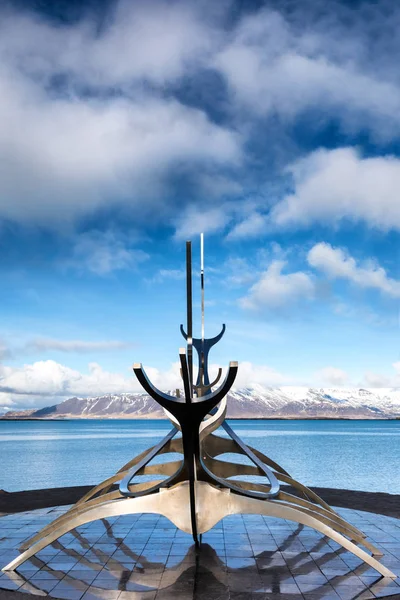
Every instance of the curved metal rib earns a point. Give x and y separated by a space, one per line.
246 450
165 400
212 399
304 490
271 492
124 484
210 341
266 471
211 424
262 495
217 445
206 388
218 377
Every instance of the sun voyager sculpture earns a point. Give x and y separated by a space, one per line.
200 489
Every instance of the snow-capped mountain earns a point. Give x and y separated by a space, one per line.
254 402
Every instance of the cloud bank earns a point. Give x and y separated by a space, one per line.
114 116
275 289
338 264
336 185
49 345
47 382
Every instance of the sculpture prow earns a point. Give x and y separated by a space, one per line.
209 341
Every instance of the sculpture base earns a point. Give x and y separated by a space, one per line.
212 505
246 554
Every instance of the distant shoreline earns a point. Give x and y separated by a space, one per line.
251 403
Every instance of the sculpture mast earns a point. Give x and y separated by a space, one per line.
201 362
202 344
189 312
202 284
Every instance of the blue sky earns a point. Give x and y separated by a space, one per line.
129 127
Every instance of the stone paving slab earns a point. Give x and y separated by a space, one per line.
144 557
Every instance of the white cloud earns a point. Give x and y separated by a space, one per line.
333 376
253 226
92 117
197 219
217 186
48 382
275 64
104 252
165 380
168 275
379 380
80 346
105 138
4 351
250 374
376 380
334 185
66 159
239 271
276 289
396 367
338 264
136 41
49 378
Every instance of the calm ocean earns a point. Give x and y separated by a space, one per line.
359 455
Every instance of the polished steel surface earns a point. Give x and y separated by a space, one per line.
142 469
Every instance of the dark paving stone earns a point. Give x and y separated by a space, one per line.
94 593
9 584
137 595
68 592
327 594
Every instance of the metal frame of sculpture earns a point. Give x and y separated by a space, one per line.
200 489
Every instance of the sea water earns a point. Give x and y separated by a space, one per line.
358 455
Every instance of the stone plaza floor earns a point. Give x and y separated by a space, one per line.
146 557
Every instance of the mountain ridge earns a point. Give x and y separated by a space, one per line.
255 402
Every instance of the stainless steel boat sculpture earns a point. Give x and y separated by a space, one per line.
200 489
